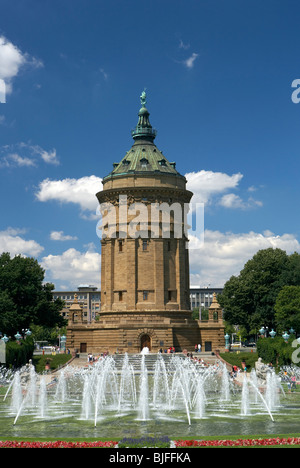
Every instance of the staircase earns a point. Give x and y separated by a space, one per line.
150 359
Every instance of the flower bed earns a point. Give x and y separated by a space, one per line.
57 444
138 443
238 442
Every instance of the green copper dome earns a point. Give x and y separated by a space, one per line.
144 156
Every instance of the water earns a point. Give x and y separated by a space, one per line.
143 402
245 397
42 401
61 388
175 397
127 395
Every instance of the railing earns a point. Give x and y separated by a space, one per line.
143 131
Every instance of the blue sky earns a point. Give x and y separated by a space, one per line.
218 76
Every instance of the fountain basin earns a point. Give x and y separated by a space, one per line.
173 397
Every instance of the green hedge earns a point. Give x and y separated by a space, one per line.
19 353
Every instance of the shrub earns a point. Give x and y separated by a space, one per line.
275 350
18 353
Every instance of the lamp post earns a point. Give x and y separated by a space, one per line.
227 343
272 333
18 336
63 340
25 332
285 336
263 331
5 338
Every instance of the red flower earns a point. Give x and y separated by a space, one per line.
56 444
238 442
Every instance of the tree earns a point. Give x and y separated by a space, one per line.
8 313
24 299
287 308
249 298
293 273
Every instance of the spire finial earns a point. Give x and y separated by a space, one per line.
144 129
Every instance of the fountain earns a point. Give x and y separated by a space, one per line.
199 399
143 403
272 394
135 391
127 396
17 398
161 389
42 401
245 397
61 388
225 384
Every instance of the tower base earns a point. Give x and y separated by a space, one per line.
130 332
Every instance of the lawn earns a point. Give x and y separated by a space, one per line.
238 357
54 361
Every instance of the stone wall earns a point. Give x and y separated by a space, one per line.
123 332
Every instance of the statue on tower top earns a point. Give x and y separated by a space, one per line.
143 98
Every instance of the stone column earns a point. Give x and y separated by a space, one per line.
131 270
109 274
159 274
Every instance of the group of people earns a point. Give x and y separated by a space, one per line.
197 348
169 350
291 381
197 360
235 370
91 358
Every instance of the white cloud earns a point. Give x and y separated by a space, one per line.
224 254
19 160
189 62
60 236
79 191
73 267
231 200
182 45
206 184
25 154
208 187
12 242
12 59
104 74
49 157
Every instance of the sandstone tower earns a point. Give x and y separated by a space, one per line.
145 270
144 258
